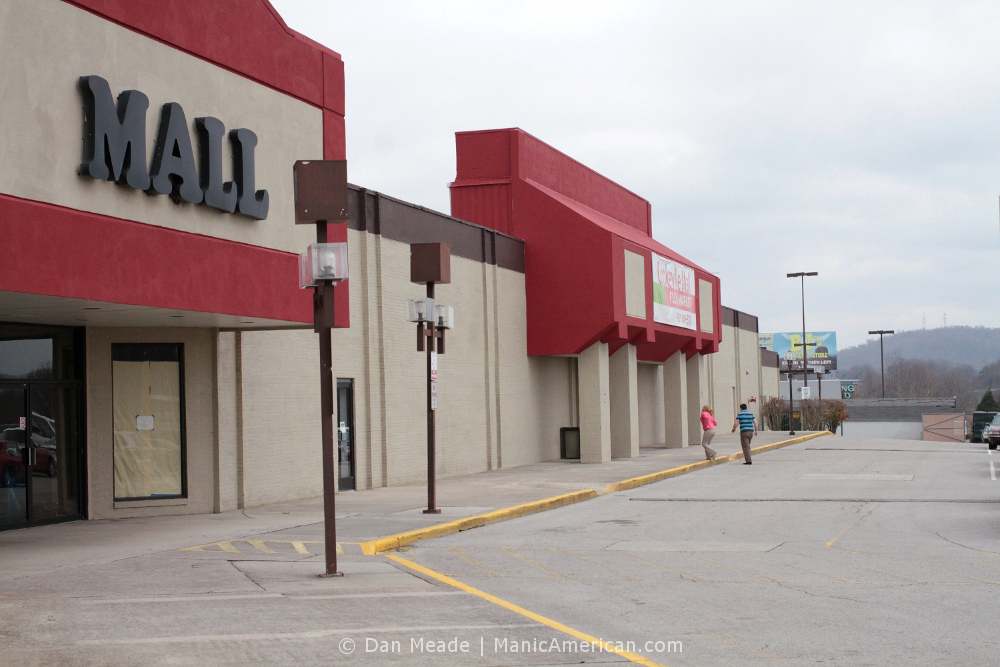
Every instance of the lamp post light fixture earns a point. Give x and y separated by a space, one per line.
881 357
805 346
321 198
430 263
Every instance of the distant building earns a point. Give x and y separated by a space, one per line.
896 418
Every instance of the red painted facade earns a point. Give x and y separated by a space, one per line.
576 225
180 270
75 254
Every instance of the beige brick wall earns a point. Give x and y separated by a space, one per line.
750 370
650 385
722 379
199 400
226 418
769 381
536 393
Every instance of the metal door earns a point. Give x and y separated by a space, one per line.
345 434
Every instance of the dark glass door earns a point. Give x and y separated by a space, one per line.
55 452
39 453
13 481
345 434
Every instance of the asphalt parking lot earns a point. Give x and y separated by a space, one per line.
835 550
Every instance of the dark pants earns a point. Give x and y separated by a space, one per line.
745 438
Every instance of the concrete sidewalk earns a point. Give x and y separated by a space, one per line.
295 530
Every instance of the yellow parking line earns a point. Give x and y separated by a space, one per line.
871 508
604 645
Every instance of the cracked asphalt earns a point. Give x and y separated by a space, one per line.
851 551
832 551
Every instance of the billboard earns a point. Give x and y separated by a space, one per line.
822 349
673 294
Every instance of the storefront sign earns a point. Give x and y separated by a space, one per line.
114 149
673 293
822 346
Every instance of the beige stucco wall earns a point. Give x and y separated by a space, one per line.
49 44
199 365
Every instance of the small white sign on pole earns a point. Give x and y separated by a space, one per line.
805 392
434 395
23 422
434 366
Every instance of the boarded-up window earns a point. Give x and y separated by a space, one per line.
635 285
706 311
148 414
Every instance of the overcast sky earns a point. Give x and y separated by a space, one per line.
860 140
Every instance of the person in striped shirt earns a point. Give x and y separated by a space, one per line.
748 429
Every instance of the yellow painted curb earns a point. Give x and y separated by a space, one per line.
450 527
778 445
392 541
632 483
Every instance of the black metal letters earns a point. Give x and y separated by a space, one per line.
174 172
114 149
253 203
217 194
114 141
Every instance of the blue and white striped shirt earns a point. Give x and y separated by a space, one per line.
745 418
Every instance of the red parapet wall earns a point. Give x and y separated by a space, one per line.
75 254
576 225
249 38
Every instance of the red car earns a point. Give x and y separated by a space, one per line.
12 458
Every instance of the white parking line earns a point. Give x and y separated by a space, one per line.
993 472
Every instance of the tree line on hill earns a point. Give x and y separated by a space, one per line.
923 378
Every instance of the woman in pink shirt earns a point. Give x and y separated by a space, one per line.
708 424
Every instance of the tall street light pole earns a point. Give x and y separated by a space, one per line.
321 198
805 348
881 355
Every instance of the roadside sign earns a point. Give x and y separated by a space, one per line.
23 423
434 367
805 392
434 395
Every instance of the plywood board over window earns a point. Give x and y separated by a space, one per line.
706 313
635 285
148 413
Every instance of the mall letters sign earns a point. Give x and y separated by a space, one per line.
114 149
673 293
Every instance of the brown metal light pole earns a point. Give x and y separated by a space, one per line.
430 263
321 198
323 310
881 356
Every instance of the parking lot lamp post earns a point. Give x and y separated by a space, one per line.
881 356
321 198
430 263
805 347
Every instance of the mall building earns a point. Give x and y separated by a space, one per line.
157 354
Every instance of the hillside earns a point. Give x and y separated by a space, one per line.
975 346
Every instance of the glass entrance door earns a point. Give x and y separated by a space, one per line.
55 452
345 434
39 453
13 481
